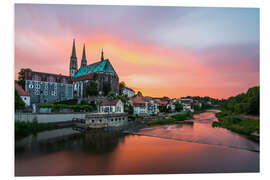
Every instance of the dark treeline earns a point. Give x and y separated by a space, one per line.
244 103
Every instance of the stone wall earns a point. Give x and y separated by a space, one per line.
100 120
48 118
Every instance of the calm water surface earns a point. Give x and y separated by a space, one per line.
196 148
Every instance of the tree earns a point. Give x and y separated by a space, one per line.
244 103
19 104
129 109
178 107
139 93
91 89
122 85
106 88
21 77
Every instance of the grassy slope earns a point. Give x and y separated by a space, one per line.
174 119
236 124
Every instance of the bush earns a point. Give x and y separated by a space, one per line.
182 117
221 114
84 102
19 104
68 102
236 124
76 108
23 128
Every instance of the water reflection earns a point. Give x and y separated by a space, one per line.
202 132
95 141
69 152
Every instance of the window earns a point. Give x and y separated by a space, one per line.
93 121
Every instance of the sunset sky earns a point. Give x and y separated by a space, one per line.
161 51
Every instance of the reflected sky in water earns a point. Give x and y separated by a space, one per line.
98 152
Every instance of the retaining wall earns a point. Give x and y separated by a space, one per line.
48 118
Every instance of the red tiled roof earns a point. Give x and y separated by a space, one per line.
20 90
161 103
109 102
138 101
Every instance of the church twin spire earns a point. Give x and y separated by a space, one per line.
84 61
73 68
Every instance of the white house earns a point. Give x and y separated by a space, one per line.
24 95
139 105
128 92
171 106
111 106
152 107
187 104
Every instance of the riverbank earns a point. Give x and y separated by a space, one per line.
245 126
23 129
174 119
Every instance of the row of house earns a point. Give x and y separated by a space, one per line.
144 105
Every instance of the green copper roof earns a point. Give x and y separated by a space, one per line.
101 66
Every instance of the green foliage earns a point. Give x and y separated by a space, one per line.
178 107
84 102
76 108
124 99
221 114
248 103
21 77
129 109
236 124
19 104
68 102
174 119
106 88
91 89
163 109
182 117
122 85
26 128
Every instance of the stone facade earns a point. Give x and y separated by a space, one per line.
47 88
102 120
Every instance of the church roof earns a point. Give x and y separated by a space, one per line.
101 66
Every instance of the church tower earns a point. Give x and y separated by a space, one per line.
73 61
84 61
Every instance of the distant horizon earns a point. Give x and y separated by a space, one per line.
160 51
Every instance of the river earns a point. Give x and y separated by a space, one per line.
181 148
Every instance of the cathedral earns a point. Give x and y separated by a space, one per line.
100 72
48 88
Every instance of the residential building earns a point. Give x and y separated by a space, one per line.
187 104
152 107
24 95
128 92
47 87
139 105
111 106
